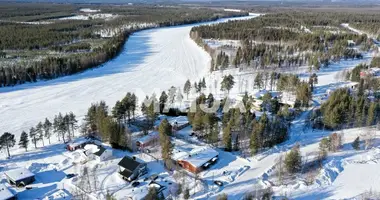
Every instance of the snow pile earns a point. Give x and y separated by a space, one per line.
329 172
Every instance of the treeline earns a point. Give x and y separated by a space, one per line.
63 126
53 67
22 36
284 41
344 109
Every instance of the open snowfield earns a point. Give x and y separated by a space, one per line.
152 60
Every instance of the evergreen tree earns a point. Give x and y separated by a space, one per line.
258 82
356 144
47 126
204 83
165 131
33 135
227 83
73 122
227 137
7 140
187 88
163 100
40 132
24 141
293 160
372 113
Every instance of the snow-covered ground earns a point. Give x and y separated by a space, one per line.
152 60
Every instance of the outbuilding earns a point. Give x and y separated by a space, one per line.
20 177
6 193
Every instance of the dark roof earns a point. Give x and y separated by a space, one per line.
129 163
101 151
126 173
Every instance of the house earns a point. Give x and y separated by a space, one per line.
130 168
103 154
6 193
192 157
20 177
177 123
147 140
97 152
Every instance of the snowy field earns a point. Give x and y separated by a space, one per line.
152 60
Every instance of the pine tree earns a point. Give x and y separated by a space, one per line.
356 144
258 82
227 83
73 122
165 131
7 140
33 135
227 137
187 88
371 114
24 141
47 126
204 83
163 100
40 132
293 160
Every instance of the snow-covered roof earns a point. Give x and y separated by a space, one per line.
180 120
193 154
19 174
148 138
5 193
78 141
261 93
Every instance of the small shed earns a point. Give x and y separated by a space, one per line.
6 193
20 177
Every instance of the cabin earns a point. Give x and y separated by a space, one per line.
198 159
20 177
6 193
130 168
147 140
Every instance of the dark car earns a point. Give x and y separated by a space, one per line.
219 183
70 175
135 184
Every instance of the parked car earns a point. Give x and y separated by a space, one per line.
219 183
135 184
70 175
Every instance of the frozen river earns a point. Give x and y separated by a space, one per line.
152 60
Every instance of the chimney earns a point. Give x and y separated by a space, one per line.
134 157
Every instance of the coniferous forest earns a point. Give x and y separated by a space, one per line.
35 44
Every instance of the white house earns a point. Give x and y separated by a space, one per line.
97 152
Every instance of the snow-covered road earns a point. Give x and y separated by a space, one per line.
151 60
